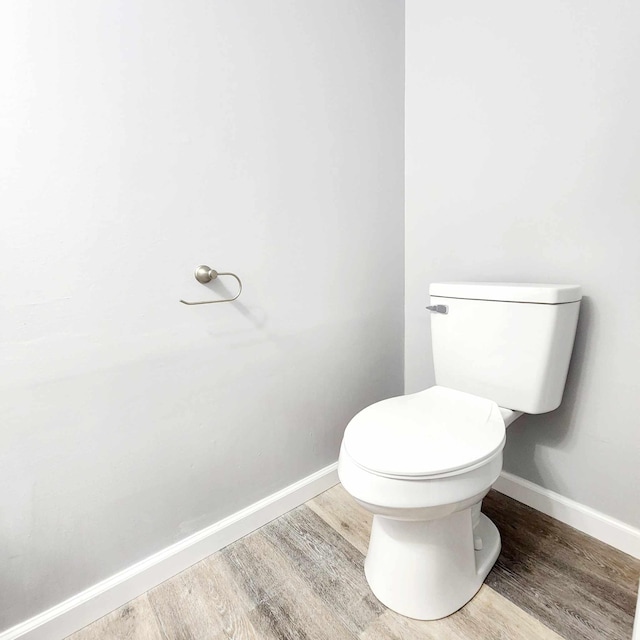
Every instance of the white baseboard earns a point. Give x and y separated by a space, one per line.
598 525
93 603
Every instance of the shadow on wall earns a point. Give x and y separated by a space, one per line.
219 291
550 429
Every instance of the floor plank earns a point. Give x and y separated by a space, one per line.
133 621
329 565
203 602
339 510
488 616
285 605
573 583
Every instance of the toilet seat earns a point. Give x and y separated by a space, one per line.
436 432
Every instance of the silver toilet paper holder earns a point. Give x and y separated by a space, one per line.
205 274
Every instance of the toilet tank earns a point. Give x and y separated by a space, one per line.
507 342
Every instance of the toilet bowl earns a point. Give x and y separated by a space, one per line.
422 463
401 459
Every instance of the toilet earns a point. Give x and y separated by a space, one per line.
422 463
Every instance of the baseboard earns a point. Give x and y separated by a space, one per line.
93 603
598 525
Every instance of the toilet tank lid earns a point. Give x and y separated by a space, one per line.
508 291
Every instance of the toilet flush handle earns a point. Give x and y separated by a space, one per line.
438 308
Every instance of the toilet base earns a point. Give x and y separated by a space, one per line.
429 569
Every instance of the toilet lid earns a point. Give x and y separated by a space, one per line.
431 432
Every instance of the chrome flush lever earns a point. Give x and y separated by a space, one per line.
438 308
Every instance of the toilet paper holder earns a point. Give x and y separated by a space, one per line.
205 274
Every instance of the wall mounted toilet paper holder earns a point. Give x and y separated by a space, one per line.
204 274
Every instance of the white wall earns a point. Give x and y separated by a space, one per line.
523 164
140 139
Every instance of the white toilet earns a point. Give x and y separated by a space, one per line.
422 463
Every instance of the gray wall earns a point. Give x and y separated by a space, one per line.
523 164
140 139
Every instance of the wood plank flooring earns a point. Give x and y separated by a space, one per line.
301 578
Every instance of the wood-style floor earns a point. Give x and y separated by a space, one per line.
301 577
